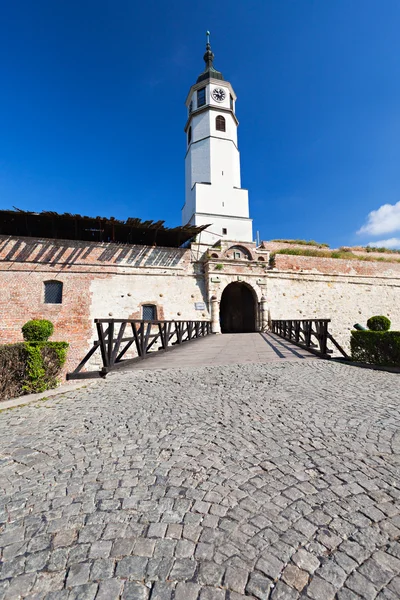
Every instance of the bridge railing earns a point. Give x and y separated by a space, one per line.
311 334
117 336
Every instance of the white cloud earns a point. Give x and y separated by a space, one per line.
393 243
385 219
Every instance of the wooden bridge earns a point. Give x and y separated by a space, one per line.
117 338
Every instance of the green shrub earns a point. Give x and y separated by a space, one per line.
378 323
376 347
37 330
13 366
272 261
30 367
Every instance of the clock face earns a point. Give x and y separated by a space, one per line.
218 94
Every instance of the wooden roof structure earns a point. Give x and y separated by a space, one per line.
66 226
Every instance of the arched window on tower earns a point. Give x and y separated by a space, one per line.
189 135
220 123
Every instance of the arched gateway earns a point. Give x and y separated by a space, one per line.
238 309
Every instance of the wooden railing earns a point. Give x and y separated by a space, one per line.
311 334
116 336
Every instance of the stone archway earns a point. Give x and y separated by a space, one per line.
238 309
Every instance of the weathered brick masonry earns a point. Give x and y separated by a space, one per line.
99 279
284 262
345 291
110 279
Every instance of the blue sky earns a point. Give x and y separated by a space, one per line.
92 109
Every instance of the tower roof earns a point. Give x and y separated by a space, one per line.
209 72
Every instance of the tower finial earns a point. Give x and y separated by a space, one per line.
209 71
209 56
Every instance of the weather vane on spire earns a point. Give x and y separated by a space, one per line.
208 37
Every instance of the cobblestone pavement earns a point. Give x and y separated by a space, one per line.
273 481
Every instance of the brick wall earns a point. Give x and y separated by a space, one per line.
21 299
97 280
274 246
284 262
114 280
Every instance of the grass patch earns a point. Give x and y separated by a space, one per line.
345 255
387 250
303 243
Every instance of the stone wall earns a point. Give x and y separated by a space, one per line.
103 280
368 268
345 300
99 280
273 246
300 287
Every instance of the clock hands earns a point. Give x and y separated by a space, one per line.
218 94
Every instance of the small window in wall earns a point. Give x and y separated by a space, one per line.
220 123
231 99
224 231
189 135
149 312
53 292
237 255
201 97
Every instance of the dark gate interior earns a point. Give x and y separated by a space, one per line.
237 309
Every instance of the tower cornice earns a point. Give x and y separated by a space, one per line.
205 108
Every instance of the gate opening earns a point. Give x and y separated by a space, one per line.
238 309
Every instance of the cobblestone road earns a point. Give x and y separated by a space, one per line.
274 481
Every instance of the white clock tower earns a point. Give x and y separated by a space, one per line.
213 195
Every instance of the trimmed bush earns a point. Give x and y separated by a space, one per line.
30 367
13 367
376 347
378 323
37 330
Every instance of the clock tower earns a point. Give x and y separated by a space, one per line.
213 195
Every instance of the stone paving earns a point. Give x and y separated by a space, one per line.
276 480
234 348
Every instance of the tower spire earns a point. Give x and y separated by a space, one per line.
209 71
209 55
